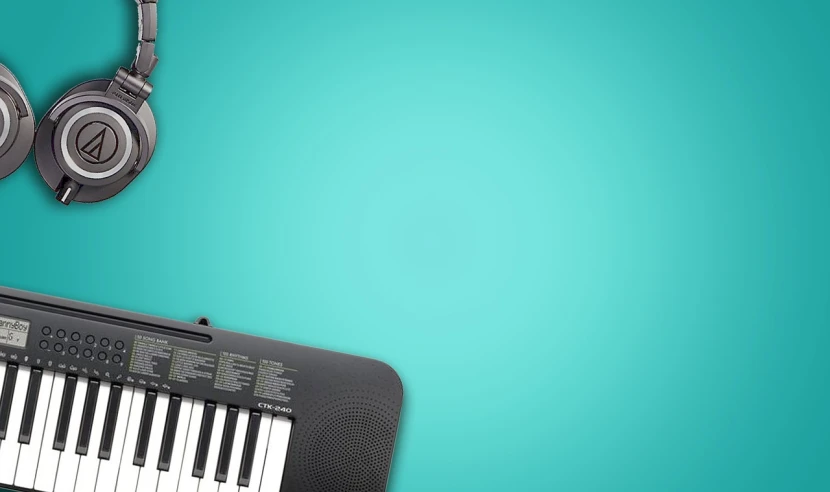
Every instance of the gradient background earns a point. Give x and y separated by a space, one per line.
591 236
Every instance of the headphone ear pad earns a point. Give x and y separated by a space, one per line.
17 124
89 147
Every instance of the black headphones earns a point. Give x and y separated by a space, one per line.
98 137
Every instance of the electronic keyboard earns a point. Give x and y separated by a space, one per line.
99 400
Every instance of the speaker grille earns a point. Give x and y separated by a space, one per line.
348 444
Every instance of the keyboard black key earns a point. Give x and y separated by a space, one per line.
6 399
65 413
169 436
30 407
145 428
227 445
246 469
86 417
204 440
108 432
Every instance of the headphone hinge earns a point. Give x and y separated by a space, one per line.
130 88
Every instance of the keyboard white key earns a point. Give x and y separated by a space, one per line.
68 469
209 483
47 467
2 375
88 468
169 480
236 454
187 482
108 471
30 453
149 476
128 474
10 448
277 452
259 455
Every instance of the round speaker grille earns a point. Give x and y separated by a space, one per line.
348 444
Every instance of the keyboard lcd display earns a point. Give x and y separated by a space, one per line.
14 332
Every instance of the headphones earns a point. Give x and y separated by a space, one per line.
98 137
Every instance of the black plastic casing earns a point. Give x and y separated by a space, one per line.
345 409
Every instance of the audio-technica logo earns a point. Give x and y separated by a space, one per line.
96 143
14 324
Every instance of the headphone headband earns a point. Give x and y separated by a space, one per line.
145 55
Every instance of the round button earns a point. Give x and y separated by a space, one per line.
58 347
119 345
44 344
87 353
47 331
90 339
73 350
61 334
116 358
102 356
105 342
76 336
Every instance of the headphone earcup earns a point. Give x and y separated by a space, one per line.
89 147
17 124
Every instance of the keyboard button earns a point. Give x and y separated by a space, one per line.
65 412
168 439
169 478
226 448
32 396
110 420
10 448
187 482
260 453
128 474
231 483
6 395
109 468
47 466
88 414
68 468
205 434
209 483
149 478
90 463
277 452
30 452
249 450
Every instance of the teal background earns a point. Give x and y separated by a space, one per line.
592 237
